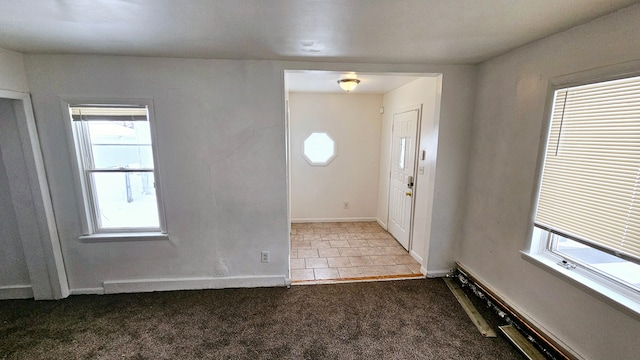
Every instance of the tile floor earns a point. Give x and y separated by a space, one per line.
342 251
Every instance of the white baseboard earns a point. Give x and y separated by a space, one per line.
439 273
383 225
416 256
87 291
148 285
16 292
356 219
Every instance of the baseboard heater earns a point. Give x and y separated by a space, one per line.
549 348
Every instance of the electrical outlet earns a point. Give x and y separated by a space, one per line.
264 256
346 205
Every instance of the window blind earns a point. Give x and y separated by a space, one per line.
590 188
112 113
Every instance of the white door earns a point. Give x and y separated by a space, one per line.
403 152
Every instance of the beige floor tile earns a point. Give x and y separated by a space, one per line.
296 237
392 250
382 260
349 252
309 237
293 254
338 230
312 253
320 244
303 274
392 243
376 270
415 268
297 264
297 245
339 243
398 270
355 230
293 231
305 231
358 243
323 230
367 251
350 236
330 236
360 260
377 243
380 235
331 252
325 274
338 262
316 263
315 225
405 259
350 272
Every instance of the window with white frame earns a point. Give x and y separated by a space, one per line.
116 166
588 211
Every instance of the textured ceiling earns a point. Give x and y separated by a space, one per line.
386 31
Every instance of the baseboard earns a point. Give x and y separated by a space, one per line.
383 225
355 219
415 255
87 291
148 285
16 292
439 273
541 338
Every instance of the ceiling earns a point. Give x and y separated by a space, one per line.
327 81
383 31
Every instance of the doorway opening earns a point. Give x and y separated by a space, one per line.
29 226
360 168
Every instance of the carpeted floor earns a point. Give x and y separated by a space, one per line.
410 319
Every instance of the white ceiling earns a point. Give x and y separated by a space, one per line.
327 81
386 31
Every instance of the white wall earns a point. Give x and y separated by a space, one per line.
222 155
424 94
12 73
507 134
221 148
353 121
14 274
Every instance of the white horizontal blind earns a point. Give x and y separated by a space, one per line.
590 188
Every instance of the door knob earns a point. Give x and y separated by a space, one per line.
408 193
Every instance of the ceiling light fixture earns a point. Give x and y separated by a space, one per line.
348 84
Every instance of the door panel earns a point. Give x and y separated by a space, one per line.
403 152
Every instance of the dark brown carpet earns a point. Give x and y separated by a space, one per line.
410 319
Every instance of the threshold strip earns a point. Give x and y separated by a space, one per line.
357 279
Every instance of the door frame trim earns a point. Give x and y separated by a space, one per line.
41 243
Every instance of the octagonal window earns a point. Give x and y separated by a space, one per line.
319 149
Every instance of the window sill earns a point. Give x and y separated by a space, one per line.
624 299
130 236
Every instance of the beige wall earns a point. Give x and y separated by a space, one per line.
222 165
507 134
353 121
425 94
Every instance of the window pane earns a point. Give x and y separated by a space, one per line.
126 200
319 148
616 267
120 144
403 146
